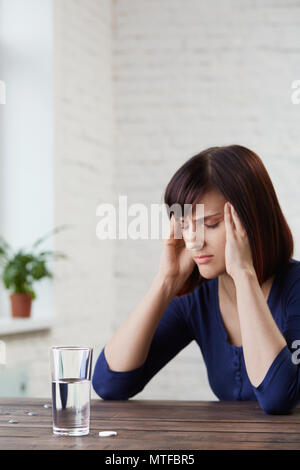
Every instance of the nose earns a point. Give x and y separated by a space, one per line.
193 246
194 239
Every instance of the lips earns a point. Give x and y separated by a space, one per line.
203 259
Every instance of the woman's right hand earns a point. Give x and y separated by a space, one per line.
176 262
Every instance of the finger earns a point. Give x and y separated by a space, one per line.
238 224
174 229
171 234
228 220
177 228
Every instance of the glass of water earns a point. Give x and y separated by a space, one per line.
71 368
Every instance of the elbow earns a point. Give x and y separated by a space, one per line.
109 394
106 395
277 408
276 411
105 392
97 387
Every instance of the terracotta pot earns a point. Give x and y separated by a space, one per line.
21 305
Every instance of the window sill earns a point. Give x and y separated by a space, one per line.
11 326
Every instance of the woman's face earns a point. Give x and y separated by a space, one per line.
213 237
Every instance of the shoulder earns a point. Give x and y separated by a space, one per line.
293 267
289 280
290 274
290 293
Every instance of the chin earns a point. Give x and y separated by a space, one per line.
207 273
210 271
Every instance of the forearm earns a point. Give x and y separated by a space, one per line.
129 346
261 337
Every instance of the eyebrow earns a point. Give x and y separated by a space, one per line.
205 218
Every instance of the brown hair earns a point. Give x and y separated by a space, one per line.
240 175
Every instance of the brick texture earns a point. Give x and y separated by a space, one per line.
140 87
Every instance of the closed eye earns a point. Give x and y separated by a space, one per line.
208 226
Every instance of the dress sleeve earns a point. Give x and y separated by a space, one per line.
279 392
172 334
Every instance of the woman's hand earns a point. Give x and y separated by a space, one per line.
176 262
238 256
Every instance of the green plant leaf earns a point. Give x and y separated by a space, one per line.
10 274
27 289
24 267
39 270
54 254
48 234
5 248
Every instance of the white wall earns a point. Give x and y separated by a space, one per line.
189 75
82 149
26 132
83 169
139 89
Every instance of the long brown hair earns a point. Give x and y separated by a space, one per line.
240 175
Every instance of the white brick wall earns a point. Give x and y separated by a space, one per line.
83 175
189 75
84 127
182 76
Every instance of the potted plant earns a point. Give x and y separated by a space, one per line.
21 269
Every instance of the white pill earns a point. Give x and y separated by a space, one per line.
107 433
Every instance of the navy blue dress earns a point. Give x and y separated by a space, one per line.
196 316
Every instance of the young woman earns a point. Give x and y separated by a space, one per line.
241 303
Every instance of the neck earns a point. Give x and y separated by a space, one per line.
228 287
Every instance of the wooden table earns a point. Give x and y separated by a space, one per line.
155 425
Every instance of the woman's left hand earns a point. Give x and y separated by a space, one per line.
238 255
